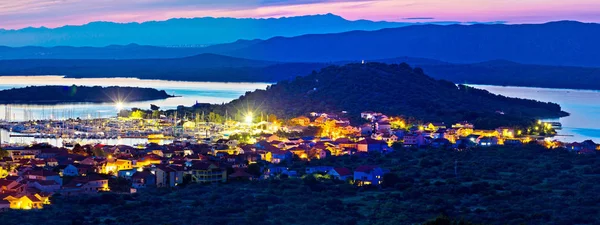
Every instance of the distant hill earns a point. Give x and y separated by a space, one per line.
185 32
211 67
131 51
395 90
71 94
556 43
203 67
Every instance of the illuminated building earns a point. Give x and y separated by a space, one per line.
26 202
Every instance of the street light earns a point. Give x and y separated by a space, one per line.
248 118
119 105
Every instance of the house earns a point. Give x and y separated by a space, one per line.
487 141
463 125
589 144
506 132
574 146
43 175
202 172
70 171
278 156
372 145
9 185
384 127
126 173
368 115
414 140
48 186
168 175
300 121
300 152
434 126
27 201
368 175
114 166
340 173
319 153
143 179
92 183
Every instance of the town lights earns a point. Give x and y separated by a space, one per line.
248 118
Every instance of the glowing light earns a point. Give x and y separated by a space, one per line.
248 118
119 105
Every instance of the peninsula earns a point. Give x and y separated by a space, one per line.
78 94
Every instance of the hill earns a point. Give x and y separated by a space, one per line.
395 89
557 43
70 94
204 67
185 32
211 67
131 51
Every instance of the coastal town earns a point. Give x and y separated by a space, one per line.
181 151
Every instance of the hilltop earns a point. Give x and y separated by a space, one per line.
71 94
395 89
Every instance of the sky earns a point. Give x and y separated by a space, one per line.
16 14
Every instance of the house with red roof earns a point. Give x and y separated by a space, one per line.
340 173
41 174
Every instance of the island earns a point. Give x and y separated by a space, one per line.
395 89
79 94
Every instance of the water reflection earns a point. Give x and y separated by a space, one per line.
189 92
583 105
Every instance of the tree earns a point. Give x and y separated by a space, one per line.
4 153
215 118
138 114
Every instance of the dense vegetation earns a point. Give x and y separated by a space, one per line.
497 185
63 94
393 90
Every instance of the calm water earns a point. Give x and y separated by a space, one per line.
584 106
190 92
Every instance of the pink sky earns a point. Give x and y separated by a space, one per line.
53 13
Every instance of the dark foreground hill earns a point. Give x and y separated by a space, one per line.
70 94
395 89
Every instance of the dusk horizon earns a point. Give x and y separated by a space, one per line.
51 14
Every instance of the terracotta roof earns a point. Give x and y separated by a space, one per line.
343 171
43 173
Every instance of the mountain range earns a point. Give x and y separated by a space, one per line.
557 43
186 32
